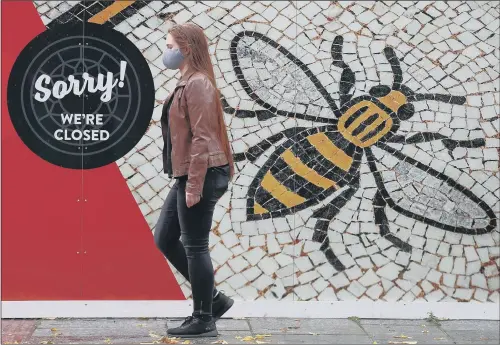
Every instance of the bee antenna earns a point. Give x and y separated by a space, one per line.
390 55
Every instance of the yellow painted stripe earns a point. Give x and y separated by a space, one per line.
330 151
371 127
258 209
280 192
110 11
305 172
369 112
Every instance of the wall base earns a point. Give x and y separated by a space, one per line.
288 309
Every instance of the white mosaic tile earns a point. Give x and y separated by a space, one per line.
410 250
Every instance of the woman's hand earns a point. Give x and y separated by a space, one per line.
192 199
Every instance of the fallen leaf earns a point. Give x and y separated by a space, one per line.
237 337
46 342
262 336
186 342
248 338
220 342
402 342
154 335
54 329
284 329
311 333
107 341
402 336
374 342
167 340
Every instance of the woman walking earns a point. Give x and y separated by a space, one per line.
197 154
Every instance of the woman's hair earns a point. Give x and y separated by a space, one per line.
194 46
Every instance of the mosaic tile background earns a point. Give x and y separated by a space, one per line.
369 212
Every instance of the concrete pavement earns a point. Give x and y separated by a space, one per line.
254 331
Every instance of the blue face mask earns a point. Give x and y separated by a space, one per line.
172 58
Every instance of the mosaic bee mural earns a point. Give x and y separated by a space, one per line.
312 164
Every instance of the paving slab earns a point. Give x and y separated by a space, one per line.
17 330
320 339
385 331
304 326
222 324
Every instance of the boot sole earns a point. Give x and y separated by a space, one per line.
213 333
224 310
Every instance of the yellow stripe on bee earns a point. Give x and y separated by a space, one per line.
258 209
280 192
371 127
305 172
330 151
110 11
372 109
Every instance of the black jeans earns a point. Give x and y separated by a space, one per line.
191 256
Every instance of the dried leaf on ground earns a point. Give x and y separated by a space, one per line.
402 336
262 336
248 338
107 341
186 342
45 342
54 329
237 337
220 342
403 342
154 335
374 342
167 340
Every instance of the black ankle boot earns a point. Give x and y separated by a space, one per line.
220 305
195 326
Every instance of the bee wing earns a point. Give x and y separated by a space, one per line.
422 193
277 80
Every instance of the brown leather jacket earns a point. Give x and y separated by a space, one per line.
193 130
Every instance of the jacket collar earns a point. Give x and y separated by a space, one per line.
184 79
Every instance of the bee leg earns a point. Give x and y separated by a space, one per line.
256 151
261 115
324 216
450 144
381 220
348 79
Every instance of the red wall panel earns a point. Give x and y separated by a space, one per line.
56 245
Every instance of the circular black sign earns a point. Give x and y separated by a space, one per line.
80 96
